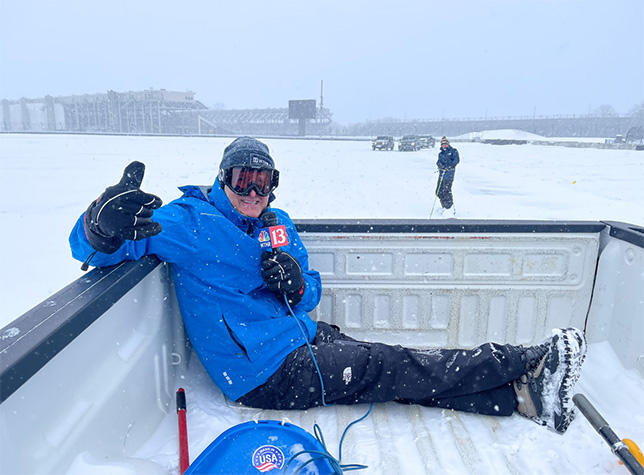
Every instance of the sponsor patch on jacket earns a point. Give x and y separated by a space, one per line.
347 375
268 457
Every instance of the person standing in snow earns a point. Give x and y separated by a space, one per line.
447 160
245 307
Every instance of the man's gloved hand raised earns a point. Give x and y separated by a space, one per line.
283 275
122 213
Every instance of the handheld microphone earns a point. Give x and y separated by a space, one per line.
269 219
277 235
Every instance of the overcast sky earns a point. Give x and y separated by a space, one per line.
401 58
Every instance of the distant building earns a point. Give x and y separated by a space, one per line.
178 113
147 112
153 111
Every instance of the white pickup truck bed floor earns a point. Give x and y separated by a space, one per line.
400 439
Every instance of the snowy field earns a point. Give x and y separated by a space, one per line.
521 135
48 180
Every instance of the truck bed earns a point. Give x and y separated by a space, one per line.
88 377
409 439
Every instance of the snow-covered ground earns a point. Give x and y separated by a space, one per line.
46 181
507 134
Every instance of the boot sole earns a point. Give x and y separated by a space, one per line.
571 346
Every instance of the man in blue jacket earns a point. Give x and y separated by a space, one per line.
447 160
245 307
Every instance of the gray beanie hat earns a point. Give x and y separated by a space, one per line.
246 152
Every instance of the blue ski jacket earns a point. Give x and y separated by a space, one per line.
240 331
447 160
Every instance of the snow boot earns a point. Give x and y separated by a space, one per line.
544 393
533 355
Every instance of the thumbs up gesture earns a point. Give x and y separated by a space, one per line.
123 212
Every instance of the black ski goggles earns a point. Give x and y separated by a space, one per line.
241 180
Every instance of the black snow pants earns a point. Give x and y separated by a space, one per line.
444 192
477 380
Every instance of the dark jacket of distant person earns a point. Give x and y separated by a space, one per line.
447 160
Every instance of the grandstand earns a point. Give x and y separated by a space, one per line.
178 113
261 122
148 112
152 111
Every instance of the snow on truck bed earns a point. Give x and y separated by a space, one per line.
409 439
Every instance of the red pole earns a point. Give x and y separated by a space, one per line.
184 457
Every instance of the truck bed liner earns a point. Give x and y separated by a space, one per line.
87 378
410 439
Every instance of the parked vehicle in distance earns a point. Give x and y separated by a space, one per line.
409 142
383 142
427 141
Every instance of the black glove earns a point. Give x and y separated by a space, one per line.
283 275
122 213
